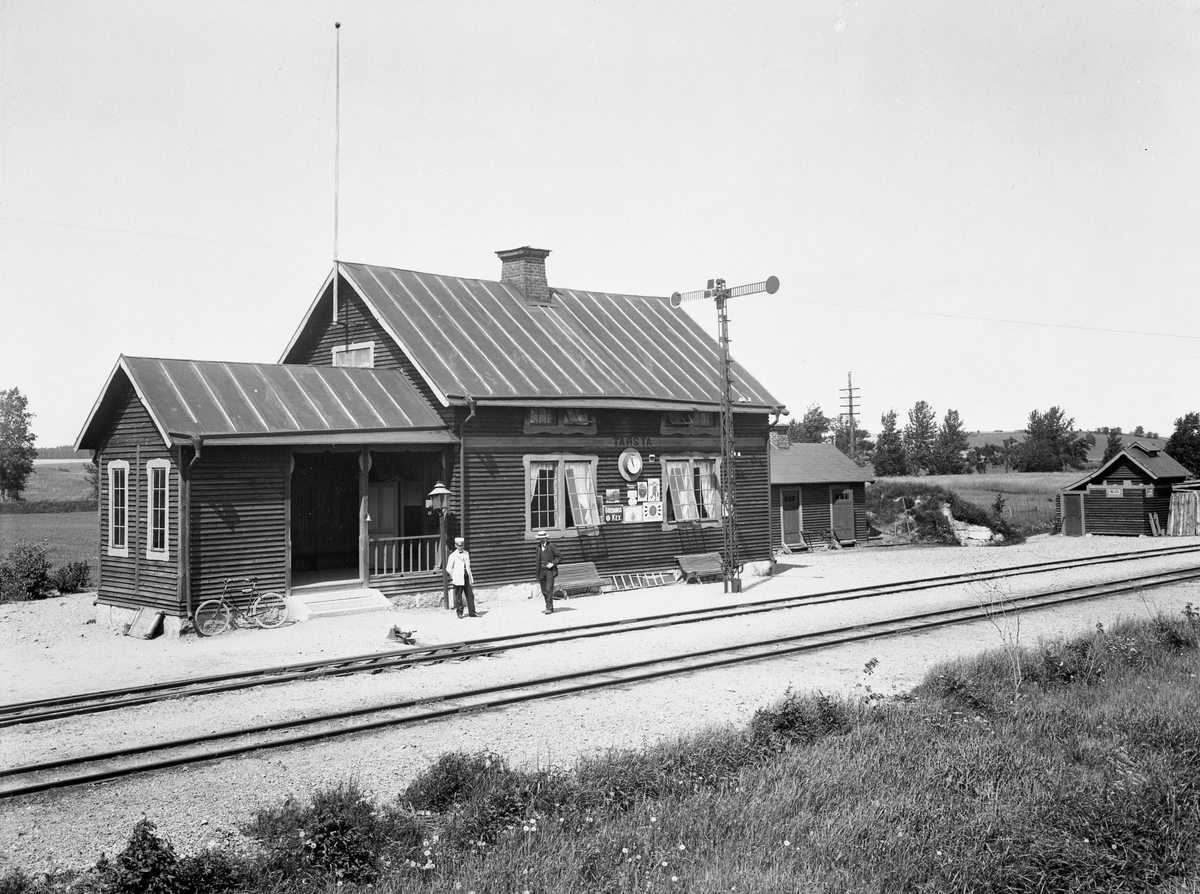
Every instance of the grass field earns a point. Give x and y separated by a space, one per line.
57 481
1069 766
1028 496
70 536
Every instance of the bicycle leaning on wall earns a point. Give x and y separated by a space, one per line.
213 616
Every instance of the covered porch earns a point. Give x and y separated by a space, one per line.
361 517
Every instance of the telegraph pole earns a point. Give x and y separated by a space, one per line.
848 402
731 568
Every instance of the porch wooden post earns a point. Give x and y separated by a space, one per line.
364 534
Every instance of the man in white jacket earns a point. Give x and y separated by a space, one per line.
458 566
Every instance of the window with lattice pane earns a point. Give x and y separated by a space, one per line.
118 508
693 489
561 493
158 496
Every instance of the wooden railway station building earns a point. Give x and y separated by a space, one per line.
1128 495
590 415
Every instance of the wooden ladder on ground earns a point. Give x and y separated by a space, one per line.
641 579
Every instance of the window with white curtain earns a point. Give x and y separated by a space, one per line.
693 489
566 421
361 355
560 493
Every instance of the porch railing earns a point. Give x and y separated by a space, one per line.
403 555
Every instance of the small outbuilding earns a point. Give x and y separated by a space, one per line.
817 494
1130 495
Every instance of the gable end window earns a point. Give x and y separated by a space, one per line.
158 476
693 489
549 420
118 508
560 494
360 354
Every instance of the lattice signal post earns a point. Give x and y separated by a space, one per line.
717 290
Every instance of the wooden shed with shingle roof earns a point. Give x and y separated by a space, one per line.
817 493
1127 496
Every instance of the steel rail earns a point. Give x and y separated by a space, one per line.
71 706
773 648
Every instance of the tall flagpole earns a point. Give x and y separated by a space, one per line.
337 157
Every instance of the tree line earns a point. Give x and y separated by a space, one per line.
923 446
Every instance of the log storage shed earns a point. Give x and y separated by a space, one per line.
817 494
1130 495
591 415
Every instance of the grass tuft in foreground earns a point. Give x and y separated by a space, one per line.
1083 775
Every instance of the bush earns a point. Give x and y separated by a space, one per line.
450 779
24 573
209 872
14 881
74 577
798 720
924 502
340 835
146 866
484 796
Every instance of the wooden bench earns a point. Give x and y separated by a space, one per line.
577 577
699 566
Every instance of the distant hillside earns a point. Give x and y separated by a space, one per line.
1095 451
64 451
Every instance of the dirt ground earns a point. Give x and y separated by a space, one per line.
55 647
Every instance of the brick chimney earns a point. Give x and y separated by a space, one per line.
525 268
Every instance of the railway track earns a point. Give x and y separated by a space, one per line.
100 767
66 706
43 710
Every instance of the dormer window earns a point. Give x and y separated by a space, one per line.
691 422
550 420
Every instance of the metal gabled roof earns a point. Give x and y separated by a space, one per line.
1157 464
477 338
803 463
268 403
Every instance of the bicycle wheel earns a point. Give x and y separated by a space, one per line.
269 610
211 618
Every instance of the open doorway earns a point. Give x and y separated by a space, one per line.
325 501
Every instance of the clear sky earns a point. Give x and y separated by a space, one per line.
993 207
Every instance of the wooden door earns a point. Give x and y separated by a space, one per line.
790 509
381 507
842 513
1072 515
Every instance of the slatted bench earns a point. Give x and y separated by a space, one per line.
697 567
577 577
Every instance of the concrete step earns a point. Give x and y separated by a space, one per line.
327 603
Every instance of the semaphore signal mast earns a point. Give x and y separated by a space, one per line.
731 568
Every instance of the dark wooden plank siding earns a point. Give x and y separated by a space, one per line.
815 511
1125 470
239 519
136 581
500 554
1127 515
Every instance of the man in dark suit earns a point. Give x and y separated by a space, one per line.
547 569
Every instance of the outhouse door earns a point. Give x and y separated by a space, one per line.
1072 515
790 507
842 513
